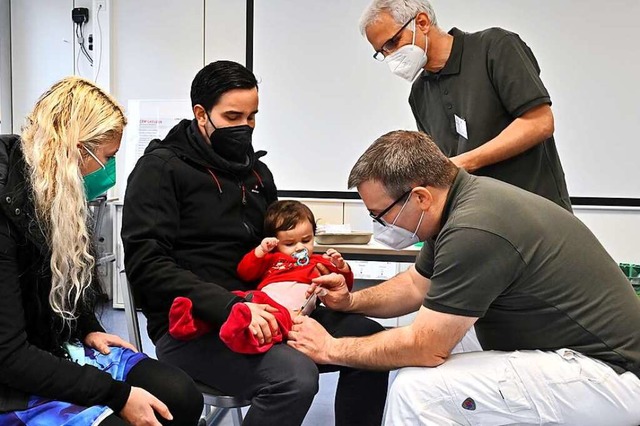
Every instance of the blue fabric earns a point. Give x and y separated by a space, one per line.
47 412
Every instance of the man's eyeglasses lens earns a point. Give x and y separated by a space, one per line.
390 44
378 217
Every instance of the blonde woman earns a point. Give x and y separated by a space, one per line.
57 364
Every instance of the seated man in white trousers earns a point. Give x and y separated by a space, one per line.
559 322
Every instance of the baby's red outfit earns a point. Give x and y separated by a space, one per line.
272 268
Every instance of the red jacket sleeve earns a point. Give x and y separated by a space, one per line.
252 267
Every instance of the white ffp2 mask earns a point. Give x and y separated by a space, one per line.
407 61
394 236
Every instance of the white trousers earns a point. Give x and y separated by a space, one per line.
515 388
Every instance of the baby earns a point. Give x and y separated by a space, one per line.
284 262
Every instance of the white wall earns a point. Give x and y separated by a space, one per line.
44 49
225 30
156 51
5 67
157 47
41 51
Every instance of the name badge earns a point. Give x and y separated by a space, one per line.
461 127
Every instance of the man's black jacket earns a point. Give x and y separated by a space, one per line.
189 217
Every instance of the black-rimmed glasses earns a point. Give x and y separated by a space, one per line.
378 217
390 44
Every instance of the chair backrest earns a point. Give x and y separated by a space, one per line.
212 397
97 207
131 316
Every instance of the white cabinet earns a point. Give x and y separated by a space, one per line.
370 273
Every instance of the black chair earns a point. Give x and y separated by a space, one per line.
216 403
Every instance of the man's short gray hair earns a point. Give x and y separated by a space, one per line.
401 160
401 11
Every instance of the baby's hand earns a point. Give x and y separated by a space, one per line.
266 246
336 259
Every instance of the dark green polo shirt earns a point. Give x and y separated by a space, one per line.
533 274
490 78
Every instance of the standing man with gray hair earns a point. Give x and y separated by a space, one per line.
479 95
555 314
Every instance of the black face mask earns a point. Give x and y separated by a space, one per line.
231 143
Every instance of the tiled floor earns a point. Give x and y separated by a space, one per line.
320 414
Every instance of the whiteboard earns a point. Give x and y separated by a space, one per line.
323 99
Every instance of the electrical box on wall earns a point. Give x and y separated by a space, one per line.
92 34
80 15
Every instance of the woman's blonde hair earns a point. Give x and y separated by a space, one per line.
74 111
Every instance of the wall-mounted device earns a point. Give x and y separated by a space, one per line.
80 15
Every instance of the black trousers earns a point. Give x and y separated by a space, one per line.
282 382
171 386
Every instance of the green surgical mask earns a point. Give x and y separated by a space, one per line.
98 182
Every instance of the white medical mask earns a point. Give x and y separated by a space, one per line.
394 236
407 61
